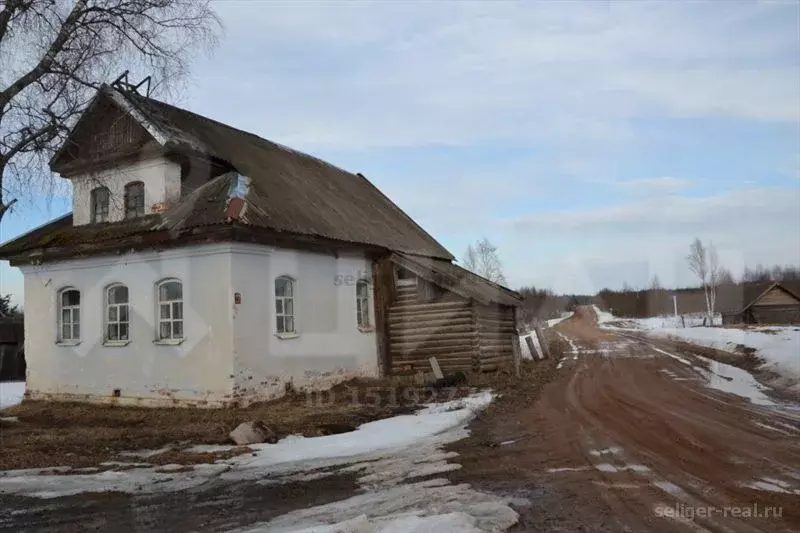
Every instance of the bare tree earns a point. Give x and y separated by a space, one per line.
725 276
470 259
55 53
655 284
713 278
698 264
484 261
704 263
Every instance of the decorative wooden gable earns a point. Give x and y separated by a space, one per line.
104 133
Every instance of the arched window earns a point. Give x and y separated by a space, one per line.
134 199
69 315
101 198
117 313
284 305
362 303
170 310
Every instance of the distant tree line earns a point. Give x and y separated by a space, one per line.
655 300
761 274
543 304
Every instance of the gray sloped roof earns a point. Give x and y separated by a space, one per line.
458 280
277 189
294 192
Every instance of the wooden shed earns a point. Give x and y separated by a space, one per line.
427 307
775 304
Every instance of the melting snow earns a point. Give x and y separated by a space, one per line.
769 484
668 487
11 393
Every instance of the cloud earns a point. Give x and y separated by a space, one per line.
635 240
661 184
408 74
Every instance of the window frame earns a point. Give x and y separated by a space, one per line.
107 322
171 306
280 317
72 340
129 187
363 306
93 204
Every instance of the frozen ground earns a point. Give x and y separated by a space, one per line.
11 393
778 346
398 463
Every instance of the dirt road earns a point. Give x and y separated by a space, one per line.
630 437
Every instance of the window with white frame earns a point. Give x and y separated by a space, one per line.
284 305
362 303
101 198
69 315
117 313
170 310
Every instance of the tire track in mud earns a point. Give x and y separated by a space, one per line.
625 430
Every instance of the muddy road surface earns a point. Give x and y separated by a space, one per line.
632 436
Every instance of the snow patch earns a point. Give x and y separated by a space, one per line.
603 316
11 393
768 484
668 487
389 448
555 321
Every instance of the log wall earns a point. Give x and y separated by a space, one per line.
419 331
497 334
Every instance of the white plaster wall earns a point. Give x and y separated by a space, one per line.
161 178
198 370
329 346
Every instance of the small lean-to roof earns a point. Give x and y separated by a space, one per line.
458 280
276 189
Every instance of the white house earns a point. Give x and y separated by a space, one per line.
203 265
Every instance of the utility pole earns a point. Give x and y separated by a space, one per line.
675 303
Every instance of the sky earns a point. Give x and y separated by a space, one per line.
589 141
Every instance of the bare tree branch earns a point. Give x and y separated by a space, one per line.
483 260
56 53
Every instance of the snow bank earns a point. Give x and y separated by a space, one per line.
11 393
778 346
672 321
603 316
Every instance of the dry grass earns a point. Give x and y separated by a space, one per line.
84 435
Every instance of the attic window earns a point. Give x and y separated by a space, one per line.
100 200
134 199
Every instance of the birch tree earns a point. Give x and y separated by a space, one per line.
698 264
704 263
714 274
54 54
483 259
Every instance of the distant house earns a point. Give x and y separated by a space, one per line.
202 264
761 303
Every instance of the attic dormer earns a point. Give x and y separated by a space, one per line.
118 169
